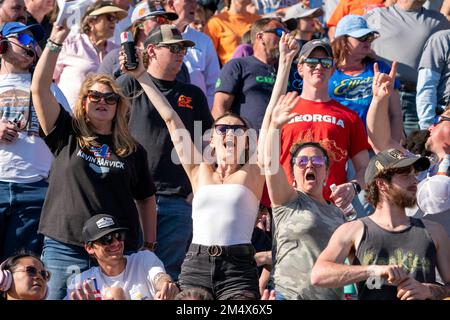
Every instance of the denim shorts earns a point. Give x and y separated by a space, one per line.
228 272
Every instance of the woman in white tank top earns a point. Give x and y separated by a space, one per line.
227 184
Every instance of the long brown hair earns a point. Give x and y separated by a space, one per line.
124 143
340 51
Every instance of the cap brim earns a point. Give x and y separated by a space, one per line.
105 232
419 163
121 14
358 33
35 29
186 43
313 13
172 16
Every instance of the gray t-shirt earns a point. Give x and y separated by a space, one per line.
403 35
436 57
302 229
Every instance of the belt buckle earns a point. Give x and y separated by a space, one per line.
215 251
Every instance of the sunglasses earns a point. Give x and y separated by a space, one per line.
109 238
174 48
367 37
24 39
158 20
32 272
312 63
442 119
111 18
109 97
277 31
317 161
222 129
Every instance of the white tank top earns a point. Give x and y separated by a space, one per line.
223 214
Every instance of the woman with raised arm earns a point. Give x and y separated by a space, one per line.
303 220
98 168
226 191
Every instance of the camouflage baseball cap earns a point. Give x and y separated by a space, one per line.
394 158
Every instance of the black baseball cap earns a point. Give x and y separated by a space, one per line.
99 226
166 34
308 48
394 158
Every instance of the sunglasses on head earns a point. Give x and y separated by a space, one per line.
317 161
32 272
109 238
109 97
277 31
326 63
174 48
24 39
222 129
367 37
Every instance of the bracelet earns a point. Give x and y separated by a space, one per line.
53 46
55 43
356 187
150 245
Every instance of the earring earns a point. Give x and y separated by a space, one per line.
294 184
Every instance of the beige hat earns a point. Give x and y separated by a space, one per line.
110 9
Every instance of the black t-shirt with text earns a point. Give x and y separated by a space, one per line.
150 130
89 181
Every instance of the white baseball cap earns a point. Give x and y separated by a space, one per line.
433 194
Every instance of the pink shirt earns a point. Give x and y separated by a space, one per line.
77 59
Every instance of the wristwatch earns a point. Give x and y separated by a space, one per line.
356 186
150 245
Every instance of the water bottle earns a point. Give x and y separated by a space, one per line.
444 166
349 212
93 285
127 42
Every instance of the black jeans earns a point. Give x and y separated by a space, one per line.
228 272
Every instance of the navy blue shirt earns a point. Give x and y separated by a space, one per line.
251 82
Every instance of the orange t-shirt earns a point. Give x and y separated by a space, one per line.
226 30
358 7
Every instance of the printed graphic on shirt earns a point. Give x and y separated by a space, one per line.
99 159
355 88
318 118
406 259
335 153
15 108
185 102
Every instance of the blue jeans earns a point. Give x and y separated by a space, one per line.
174 232
20 211
409 111
279 296
63 260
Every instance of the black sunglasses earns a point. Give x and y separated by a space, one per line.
109 238
442 119
33 272
109 97
174 48
367 37
327 63
222 129
277 31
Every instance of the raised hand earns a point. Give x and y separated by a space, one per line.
140 70
288 46
282 111
82 292
382 83
59 33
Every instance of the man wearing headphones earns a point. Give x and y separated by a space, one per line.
24 157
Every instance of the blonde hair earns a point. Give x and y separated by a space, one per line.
124 143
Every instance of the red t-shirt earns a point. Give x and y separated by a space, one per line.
335 126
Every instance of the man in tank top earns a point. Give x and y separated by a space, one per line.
393 256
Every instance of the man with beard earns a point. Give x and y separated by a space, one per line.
12 10
393 256
245 84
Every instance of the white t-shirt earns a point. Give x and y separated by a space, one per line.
137 280
27 159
